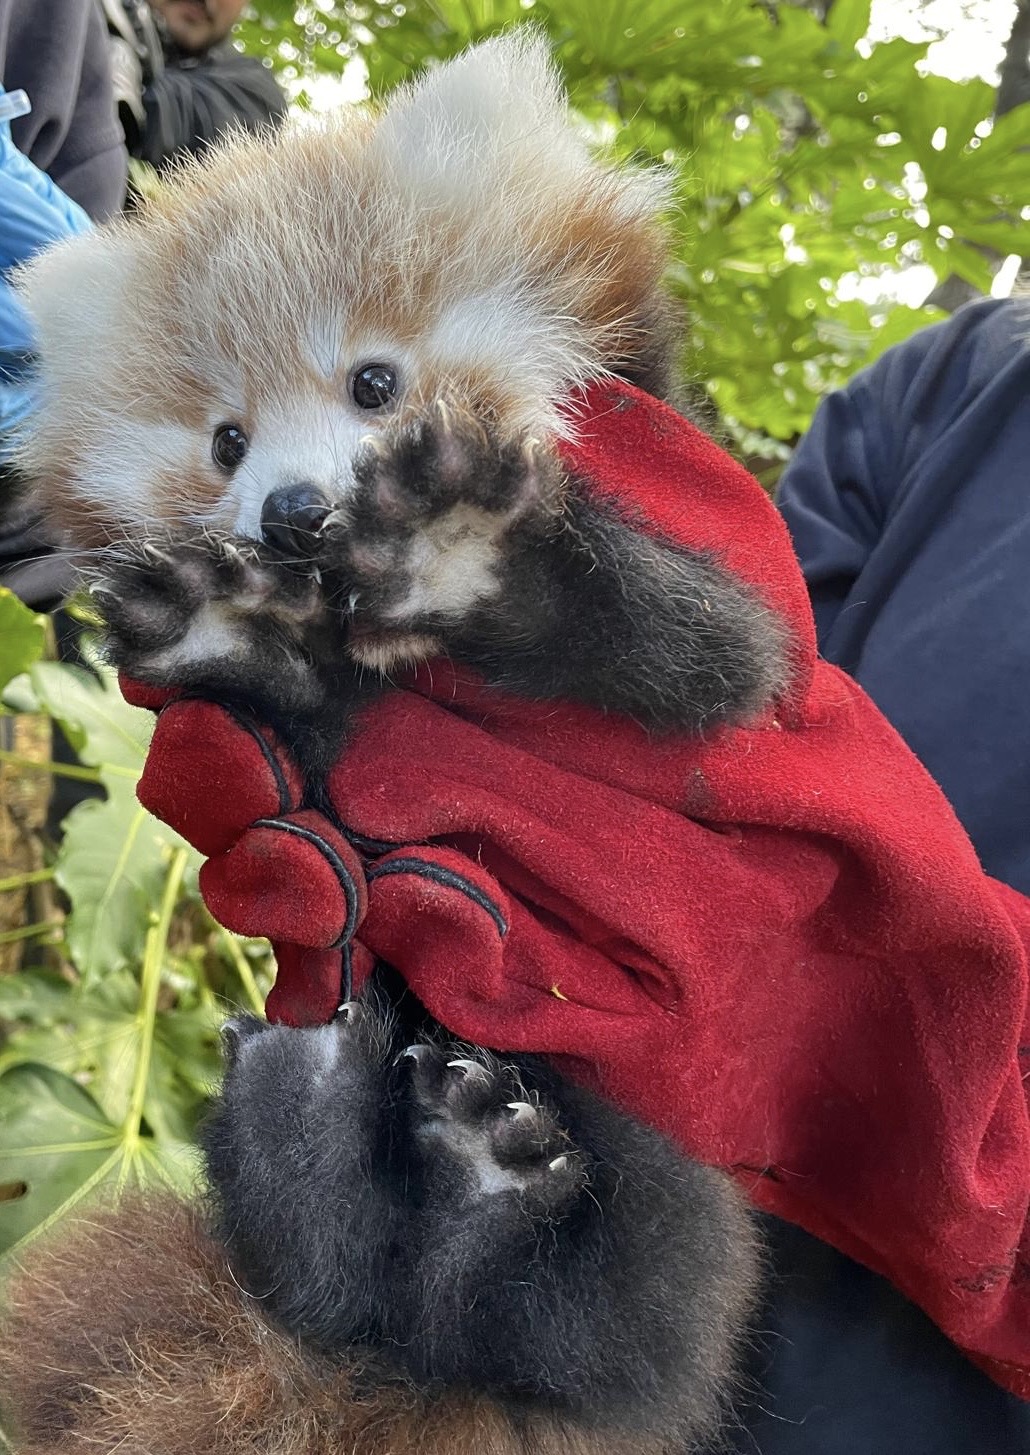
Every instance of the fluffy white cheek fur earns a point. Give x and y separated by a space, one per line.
505 334
124 474
156 473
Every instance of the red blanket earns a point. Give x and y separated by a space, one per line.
775 944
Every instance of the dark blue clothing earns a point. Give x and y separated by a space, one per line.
909 504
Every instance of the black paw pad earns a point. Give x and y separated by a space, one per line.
474 1112
206 610
422 537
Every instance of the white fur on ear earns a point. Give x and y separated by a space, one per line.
505 89
490 120
75 294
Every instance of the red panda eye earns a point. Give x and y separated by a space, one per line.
374 386
228 446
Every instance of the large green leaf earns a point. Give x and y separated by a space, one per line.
113 855
97 1036
58 1151
98 1083
848 21
56 1146
22 636
104 730
113 859
971 265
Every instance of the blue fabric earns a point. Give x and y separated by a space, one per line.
909 505
33 213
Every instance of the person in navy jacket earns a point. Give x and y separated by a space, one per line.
909 505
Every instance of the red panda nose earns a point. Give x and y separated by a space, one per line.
291 519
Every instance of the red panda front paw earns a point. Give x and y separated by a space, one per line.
422 542
179 609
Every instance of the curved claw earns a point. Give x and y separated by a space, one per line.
472 1070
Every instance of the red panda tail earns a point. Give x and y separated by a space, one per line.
128 1334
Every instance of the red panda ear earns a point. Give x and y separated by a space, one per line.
83 307
604 266
492 127
489 136
68 290
496 99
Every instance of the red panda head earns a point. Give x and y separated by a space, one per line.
284 299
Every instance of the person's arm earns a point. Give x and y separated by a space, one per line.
192 103
58 53
868 443
832 496
34 214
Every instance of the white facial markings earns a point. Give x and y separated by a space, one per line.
488 330
307 439
122 475
323 346
506 334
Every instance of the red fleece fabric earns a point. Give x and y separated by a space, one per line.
775 944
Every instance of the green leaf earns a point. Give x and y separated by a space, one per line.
173 1164
56 1147
848 21
1004 237
97 1084
34 995
103 729
58 1151
22 636
113 856
947 110
971 265
92 1034
186 1068
93 1040
1011 132
113 860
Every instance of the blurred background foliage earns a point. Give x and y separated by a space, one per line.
827 181
117 979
